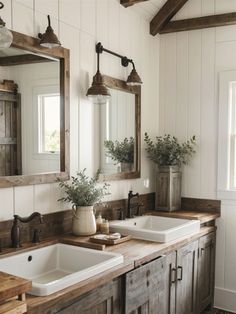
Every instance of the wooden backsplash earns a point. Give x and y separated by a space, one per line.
61 222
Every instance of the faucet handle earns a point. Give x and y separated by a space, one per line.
36 236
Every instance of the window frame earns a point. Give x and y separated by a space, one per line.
226 149
38 91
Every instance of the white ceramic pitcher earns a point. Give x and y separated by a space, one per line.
84 222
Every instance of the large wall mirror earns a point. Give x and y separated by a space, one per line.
34 113
119 131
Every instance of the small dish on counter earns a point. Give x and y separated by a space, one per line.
111 239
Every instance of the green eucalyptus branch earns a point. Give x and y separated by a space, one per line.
83 191
120 151
167 151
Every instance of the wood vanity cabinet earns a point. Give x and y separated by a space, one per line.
106 299
186 279
206 271
181 282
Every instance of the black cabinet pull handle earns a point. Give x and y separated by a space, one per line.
202 250
173 275
181 273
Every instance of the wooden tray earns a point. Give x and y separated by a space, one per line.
110 241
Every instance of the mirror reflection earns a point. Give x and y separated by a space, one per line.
117 140
29 113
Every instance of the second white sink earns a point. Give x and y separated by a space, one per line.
156 228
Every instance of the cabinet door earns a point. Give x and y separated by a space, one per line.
148 288
186 279
206 271
106 299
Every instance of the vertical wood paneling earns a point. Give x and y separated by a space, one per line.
208 148
193 170
182 93
170 98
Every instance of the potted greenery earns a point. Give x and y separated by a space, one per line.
169 155
83 193
121 152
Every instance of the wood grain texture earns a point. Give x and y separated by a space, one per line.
106 299
13 307
206 272
201 205
168 188
165 14
12 286
128 3
186 287
199 23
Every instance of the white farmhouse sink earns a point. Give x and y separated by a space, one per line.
55 267
155 228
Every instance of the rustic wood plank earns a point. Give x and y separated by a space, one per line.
199 23
200 205
128 3
165 14
206 271
8 86
7 140
22 59
12 286
13 307
187 279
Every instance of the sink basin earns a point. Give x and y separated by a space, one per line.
55 267
156 228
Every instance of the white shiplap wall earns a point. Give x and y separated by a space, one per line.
80 24
189 66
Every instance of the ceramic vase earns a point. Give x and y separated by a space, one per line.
84 222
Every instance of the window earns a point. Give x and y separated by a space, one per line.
46 116
49 123
227 136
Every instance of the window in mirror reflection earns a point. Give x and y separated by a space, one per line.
49 123
117 133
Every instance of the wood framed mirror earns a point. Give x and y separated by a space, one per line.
34 113
119 124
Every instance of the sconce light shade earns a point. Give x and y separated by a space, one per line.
98 92
49 38
134 79
6 36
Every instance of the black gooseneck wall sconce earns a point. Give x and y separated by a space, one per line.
98 92
49 38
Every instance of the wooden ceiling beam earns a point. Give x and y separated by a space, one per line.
165 14
128 3
199 23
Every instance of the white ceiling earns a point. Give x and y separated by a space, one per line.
148 9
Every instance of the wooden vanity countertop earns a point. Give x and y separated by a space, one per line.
135 252
203 216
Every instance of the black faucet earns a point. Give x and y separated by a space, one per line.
15 230
129 207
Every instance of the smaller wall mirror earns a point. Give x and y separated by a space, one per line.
119 130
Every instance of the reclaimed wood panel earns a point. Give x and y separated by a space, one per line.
13 307
12 286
